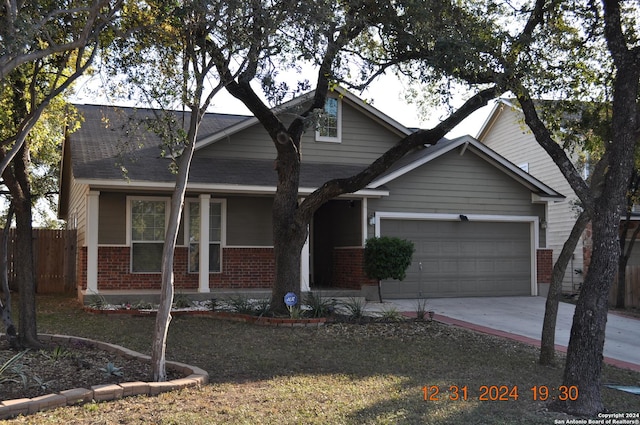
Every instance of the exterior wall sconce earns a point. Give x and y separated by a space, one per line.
543 224
372 220
464 217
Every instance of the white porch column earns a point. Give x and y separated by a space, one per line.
93 206
304 267
203 272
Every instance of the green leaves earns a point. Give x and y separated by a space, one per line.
387 257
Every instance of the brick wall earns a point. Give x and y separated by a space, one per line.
241 268
348 269
544 258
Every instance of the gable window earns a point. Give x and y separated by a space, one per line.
215 236
148 219
330 123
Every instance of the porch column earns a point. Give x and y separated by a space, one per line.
93 206
304 267
203 272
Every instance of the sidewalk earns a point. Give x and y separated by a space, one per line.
520 318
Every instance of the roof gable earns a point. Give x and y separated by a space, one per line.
362 106
464 144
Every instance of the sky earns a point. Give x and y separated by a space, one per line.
385 94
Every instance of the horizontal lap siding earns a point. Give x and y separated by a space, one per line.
363 140
459 185
249 221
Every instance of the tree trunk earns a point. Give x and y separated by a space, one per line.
547 349
5 304
290 228
584 354
17 180
163 318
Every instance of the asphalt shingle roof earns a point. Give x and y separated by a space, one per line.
114 139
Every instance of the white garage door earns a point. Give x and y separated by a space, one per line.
462 258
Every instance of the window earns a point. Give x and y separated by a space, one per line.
215 236
148 218
330 126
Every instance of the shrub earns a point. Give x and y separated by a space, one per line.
355 308
387 258
318 306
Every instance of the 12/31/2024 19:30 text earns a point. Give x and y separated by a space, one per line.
499 393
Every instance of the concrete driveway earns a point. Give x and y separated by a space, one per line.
521 318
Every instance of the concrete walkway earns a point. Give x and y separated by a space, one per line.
520 318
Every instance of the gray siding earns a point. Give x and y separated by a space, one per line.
249 221
363 140
112 219
460 185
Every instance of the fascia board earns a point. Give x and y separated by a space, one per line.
226 188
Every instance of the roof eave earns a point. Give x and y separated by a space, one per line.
105 184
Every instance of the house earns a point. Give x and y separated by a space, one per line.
505 132
477 220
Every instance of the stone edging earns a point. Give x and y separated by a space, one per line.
236 317
194 377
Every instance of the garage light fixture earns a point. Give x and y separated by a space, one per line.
464 217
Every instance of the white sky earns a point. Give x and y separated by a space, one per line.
385 94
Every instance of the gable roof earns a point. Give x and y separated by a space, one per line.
499 105
364 107
113 149
464 143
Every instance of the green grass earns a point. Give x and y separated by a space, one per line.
337 374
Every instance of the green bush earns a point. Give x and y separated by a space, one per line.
387 258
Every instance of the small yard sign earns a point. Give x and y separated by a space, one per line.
290 299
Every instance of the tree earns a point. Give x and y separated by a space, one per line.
577 125
337 39
387 258
46 47
177 45
5 302
584 355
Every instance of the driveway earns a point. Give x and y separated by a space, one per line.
521 318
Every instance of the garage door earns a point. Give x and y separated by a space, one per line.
462 258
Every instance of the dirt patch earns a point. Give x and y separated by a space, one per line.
56 368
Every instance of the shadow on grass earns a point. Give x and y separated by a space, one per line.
375 372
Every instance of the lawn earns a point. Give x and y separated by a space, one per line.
336 374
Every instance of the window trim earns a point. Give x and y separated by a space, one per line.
223 230
338 138
130 242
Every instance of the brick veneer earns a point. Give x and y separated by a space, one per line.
544 258
348 269
241 268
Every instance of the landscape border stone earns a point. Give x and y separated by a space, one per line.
194 377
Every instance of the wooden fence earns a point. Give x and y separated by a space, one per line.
632 286
54 258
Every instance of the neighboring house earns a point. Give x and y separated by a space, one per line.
505 132
477 220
